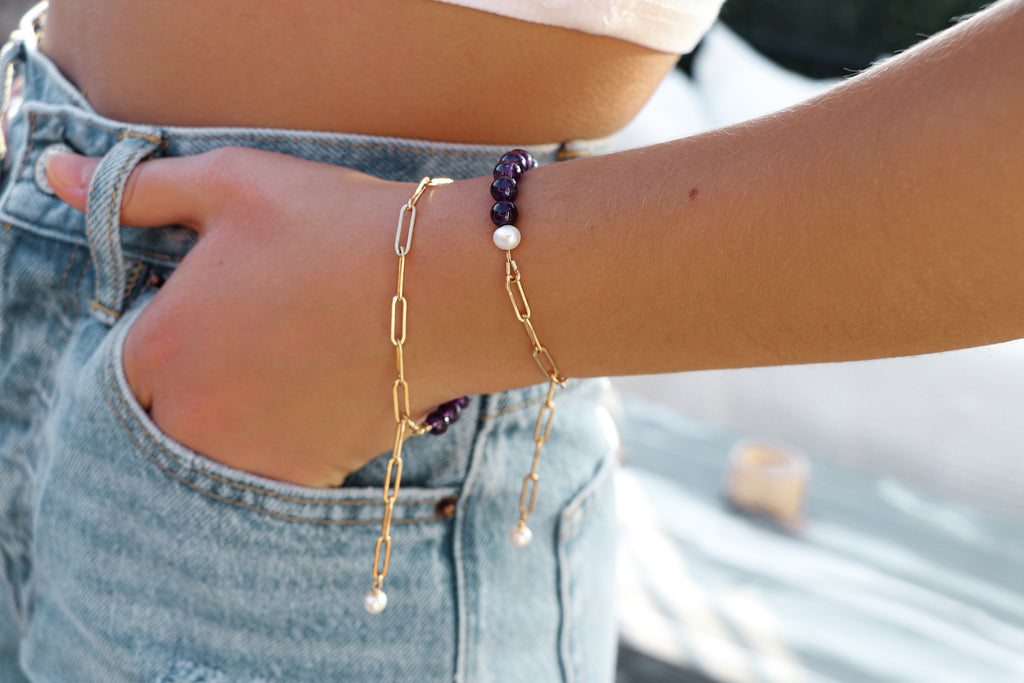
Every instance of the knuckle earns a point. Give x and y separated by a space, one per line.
220 169
229 177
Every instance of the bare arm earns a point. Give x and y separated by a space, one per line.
885 217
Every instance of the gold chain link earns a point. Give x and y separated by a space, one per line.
405 426
542 430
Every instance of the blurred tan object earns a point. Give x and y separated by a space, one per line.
768 479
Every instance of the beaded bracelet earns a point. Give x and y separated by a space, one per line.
505 189
436 423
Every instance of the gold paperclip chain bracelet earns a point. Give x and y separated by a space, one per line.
376 600
521 534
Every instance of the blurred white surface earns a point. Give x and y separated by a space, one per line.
731 83
883 584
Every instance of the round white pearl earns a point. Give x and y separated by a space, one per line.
507 237
375 601
521 536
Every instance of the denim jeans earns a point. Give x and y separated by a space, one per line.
128 557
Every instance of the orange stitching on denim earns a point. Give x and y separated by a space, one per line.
332 143
511 409
565 153
71 259
100 307
532 402
144 136
88 237
164 257
253 508
266 492
117 220
262 138
28 152
113 380
132 277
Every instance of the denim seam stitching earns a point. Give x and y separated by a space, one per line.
74 239
153 254
64 280
257 138
112 211
246 487
588 500
579 510
104 309
204 472
131 277
477 456
30 146
144 136
78 288
331 143
530 402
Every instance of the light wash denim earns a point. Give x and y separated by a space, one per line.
127 557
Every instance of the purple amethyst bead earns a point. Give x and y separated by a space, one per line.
504 189
504 213
508 168
438 423
528 160
516 158
446 414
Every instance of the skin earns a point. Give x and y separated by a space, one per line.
883 217
422 69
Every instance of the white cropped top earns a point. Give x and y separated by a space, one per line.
665 25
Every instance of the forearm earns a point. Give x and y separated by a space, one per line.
881 218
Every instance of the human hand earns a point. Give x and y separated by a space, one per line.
267 349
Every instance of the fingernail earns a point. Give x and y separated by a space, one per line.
70 172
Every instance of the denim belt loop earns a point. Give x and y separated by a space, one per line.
13 51
103 220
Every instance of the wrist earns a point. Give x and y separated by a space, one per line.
464 336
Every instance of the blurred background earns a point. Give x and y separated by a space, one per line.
10 12
904 558
826 39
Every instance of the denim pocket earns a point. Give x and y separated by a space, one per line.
345 505
147 553
586 557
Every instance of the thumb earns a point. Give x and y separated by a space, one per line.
157 192
69 176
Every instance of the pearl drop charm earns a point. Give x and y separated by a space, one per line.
375 601
521 536
507 237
